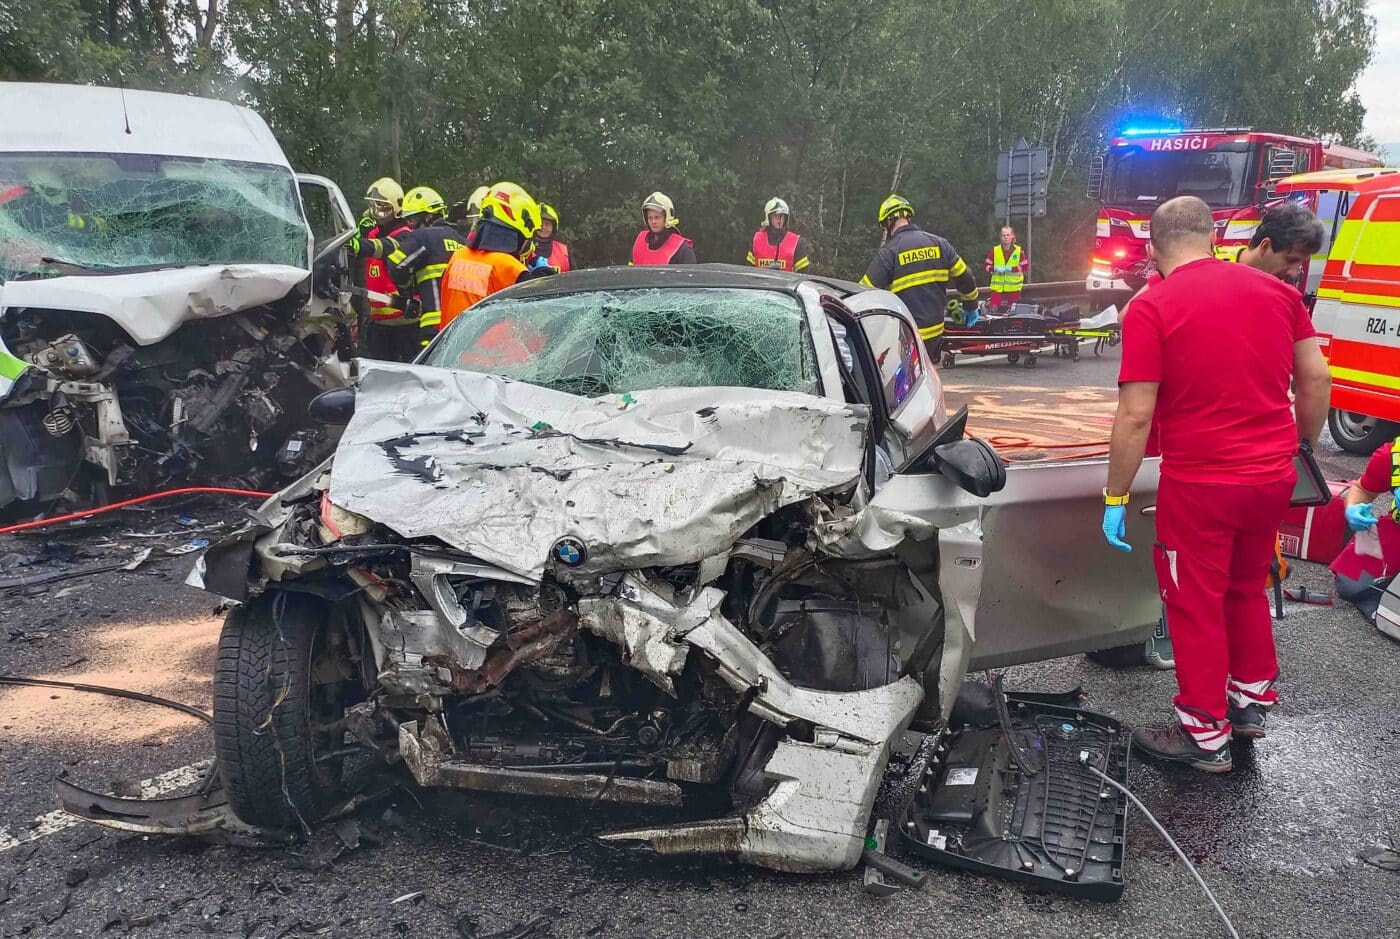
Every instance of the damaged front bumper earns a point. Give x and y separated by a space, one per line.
822 776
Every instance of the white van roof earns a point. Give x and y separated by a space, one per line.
52 118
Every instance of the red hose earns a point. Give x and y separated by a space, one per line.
126 503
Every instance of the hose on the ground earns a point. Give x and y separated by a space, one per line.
138 500
1084 758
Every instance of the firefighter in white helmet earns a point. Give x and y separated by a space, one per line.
661 242
775 245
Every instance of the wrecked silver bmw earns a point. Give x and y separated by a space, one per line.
158 322
630 535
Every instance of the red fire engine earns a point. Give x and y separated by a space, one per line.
1232 168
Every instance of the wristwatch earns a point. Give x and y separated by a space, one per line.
1114 500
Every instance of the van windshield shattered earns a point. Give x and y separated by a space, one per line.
610 342
111 212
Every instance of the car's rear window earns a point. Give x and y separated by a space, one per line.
610 342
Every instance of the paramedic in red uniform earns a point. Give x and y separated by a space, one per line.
1228 437
1362 573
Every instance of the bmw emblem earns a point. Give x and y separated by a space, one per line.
570 552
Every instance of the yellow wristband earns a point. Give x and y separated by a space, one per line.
1114 500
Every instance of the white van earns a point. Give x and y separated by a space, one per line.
158 322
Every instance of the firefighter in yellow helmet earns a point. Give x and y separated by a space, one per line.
661 242
493 257
919 266
388 336
775 245
547 243
417 258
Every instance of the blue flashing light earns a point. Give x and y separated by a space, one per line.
1160 131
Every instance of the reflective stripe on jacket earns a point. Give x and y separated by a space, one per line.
377 280
919 266
782 257
1007 283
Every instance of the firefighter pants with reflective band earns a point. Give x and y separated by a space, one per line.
1215 542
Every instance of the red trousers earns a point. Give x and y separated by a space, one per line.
1004 299
1215 542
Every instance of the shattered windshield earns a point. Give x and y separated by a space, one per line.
111 212
1219 176
609 342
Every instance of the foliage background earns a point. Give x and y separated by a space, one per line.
591 104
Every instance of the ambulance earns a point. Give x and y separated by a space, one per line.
1355 279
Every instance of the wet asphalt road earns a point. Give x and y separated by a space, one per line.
1279 839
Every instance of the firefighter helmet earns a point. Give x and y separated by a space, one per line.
661 203
512 206
474 202
548 211
386 190
774 207
893 207
423 200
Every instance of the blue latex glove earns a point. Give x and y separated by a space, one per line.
971 315
1001 268
1360 517
540 266
1115 526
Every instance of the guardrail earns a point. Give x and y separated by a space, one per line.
1049 293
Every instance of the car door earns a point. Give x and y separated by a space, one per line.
1051 585
908 379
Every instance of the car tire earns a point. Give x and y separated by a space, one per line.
1119 656
265 708
1358 433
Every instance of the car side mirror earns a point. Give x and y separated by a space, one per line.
971 465
333 408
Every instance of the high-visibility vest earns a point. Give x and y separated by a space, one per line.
1007 283
377 280
643 254
781 257
473 275
1395 477
557 257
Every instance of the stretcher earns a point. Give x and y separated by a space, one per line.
1026 332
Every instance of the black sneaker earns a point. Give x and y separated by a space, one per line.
1248 721
1169 742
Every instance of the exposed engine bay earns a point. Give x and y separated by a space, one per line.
192 387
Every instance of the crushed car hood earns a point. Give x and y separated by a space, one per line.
509 471
150 305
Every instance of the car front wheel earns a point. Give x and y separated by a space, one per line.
280 693
1359 433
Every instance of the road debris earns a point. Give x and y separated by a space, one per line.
130 563
1386 858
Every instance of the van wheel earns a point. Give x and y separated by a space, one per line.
281 686
1358 433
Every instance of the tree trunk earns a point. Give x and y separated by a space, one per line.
898 171
344 32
